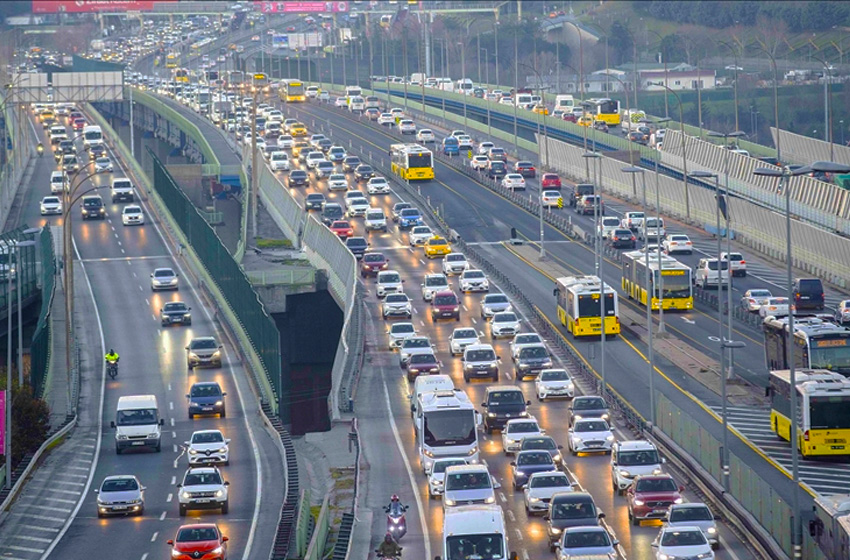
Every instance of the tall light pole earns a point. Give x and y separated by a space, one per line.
487 71
662 331
541 131
649 292
775 103
684 151
663 54
580 60
16 245
597 249
827 106
462 77
735 55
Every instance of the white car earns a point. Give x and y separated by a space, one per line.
551 199
752 300
540 488
685 541
419 235
591 435
164 279
505 323
464 143
677 243
775 306
356 206
462 337
425 135
398 333
313 159
694 514
386 119
279 161
51 205
522 340
338 182
340 102
261 144
414 345
518 429
434 283
484 148
554 383
479 163
375 220
324 168
378 185
607 224
285 141
397 113
103 165
737 264
397 305
438 474
407 126
203 488
388 282
454 263
472 280
315 139
132 215
208 446
514 181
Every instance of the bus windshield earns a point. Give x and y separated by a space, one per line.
829 413
832 354
419 160
449 427
588 306
676 286
475 547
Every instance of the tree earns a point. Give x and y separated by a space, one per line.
673 48
30 422
770 33
620 42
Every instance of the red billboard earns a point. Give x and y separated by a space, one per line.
92 6
301 7
3 421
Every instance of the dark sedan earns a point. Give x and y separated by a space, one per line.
622 238
175 312
372 263
357 245
528 463
350 163
314 201
206 398
363 172
298 178
422 364
525 168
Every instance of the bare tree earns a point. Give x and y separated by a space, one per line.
770 33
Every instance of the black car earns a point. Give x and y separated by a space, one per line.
92 208
324 144
350 163
331 213
357 245
298 178
529 462
206 398
588 406
808 294
497 169
65 147
175 312
525 168
363 172
503 402
531 360
575 193
314 201
543 443
622 238
570 509
96 151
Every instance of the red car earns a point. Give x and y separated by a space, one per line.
650 497
372 263
79 124
444 305
550 181
525 168
569 117
75 115
199 542
342 228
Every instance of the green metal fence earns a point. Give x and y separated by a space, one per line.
23 269
302 525
40 347
316 548
226 273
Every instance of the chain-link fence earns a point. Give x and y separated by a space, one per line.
40 346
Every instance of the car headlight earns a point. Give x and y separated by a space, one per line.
625 474
712 530
533 500
218 550
491 414
175 553
472 451
509 441
605 416
429 453
193 356
449 502
219 403
193 451
704 555
678 501
657 471
122 436
194 404
577 417
154 435
414 370
638 502
490 500
219 493
557 457
524 413
555 531
610 438
185 495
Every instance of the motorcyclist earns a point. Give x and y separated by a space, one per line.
389 548
112 356
395 507
39 148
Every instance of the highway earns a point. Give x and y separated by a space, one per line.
118 261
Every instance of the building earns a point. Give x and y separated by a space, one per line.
678 76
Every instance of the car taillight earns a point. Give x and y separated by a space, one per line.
633 238
743 261
806 435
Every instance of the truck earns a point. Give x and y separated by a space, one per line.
631 119
418 78
219 111
464 86
564 103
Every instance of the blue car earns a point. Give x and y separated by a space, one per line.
451 146
409 217
530 462
206 398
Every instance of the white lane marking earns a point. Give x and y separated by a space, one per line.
162 517
175 448
50 508
156 533
170 496
170 405
518 533
511 516
23 548
40 527
409 468
173 481
145 556
172 422
140 289
474 322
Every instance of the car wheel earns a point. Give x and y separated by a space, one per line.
190 366
223 413
466 377
496 377
117 450
226 463
191 416
635 521
158 447
225 507
182 510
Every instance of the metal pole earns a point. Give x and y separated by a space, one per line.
255 172
8 450
516 90
463 77
661 330
724 453
599 261
730 373
132 127
487 71
649 292
496 33
792 374
17 254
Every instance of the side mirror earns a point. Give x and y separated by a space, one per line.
227 483
180 485
185 443
170 542
681 488
496 484
484 404
615 543
185 347
224 394
498 357
224 539
560 447
654 545
601 515
546 517
527 403
151 274
514 556
513 463
663 460
220 346
717 518
112 424
187 395
162 421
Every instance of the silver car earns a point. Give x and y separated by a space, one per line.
752 300
203 351
461 338
494 303
414 345
120 495
540 488
468 484
398 333
419 235
505 323
438 474
522 340
590 436
434 283
396 305
164 279
694 515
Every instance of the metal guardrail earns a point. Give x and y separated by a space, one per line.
289 276
316 548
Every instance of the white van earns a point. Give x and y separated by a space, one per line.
137 423
57 182
523 100
428 383
356 104
464 86
565 103
652 228
707 274
477 527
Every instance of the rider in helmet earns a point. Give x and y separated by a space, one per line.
395 507
40 148
112 356
388 547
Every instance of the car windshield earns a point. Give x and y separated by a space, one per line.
402 328
497 298
678 238
760 293
642 457
539 443
119 485
468 481
473 274
436 281
373 258
533 352
586 539
534 458
390 279
696 513
550 481
207 437
138 417
523 427
481 356
591 426
445 300
417 343
441 466
505 318
574 510
407 212
423 359
554 375
200 478
396 298
489 546
355 242
377 181
465 333
506 397
337 177
655 485
175 306
593 403
455 258
401 206
422 229
203 344
205 391
682 538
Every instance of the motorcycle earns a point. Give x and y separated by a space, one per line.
112 368
40 150
396 523
387 557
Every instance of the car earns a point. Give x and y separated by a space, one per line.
425 136
554 383
530 360
590 435
341 102
203 488
464 143
630 459
518 428
120 495
314 201
607 224
418 235
397 113
356 206
682 541
432 284
59 182
350 163
372 263
103 165
388 281
650 497
492 304
472 280
737 263
677 243
437 247
774 307
445 304
132 215
551 199
206 398
297 178
398 333
375 220
479 163
525 168
297 129
541 486
198 541
408 218
589 204
528 462
436 478
422 364
496 169
331 212
587 542
208 447
694 514
386 119
337 182
465 485
808 293
397 208
414 345
315 139
378 185
279 161
550 181
461 338
406 126
514 182
497 154
504 324
203 351
842 312
480 360
313 158
588 406
324 145
397 305
622 238
285 142
363 172
50 205
164 279
175 312
358 246
372 113
342 228
752 300
570 509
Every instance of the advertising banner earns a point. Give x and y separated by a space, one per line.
301 7
2 421
280 41
92 6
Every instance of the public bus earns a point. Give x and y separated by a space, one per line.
607 110
412 162
818 344
674 277
823 410
292 91
261 81
235 79
171 60
446 426
352 91
181 75
580 306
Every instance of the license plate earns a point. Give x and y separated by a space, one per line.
138 443
202 501
594 444
177 319
117 508
837 447
446 314
662 510
207 408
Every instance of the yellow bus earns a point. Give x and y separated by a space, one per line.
412 162
181 75
292 91
171 60
675 277
580 306
823 410
606 110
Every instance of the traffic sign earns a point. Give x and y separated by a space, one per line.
560 202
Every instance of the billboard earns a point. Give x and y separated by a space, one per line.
3 421
301 7
92 6
280 41
305 40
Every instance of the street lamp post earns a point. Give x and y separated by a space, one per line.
597 249
462 77
775 103
666 75
827 106
487 72
17 275
684 152
661 328
735 55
